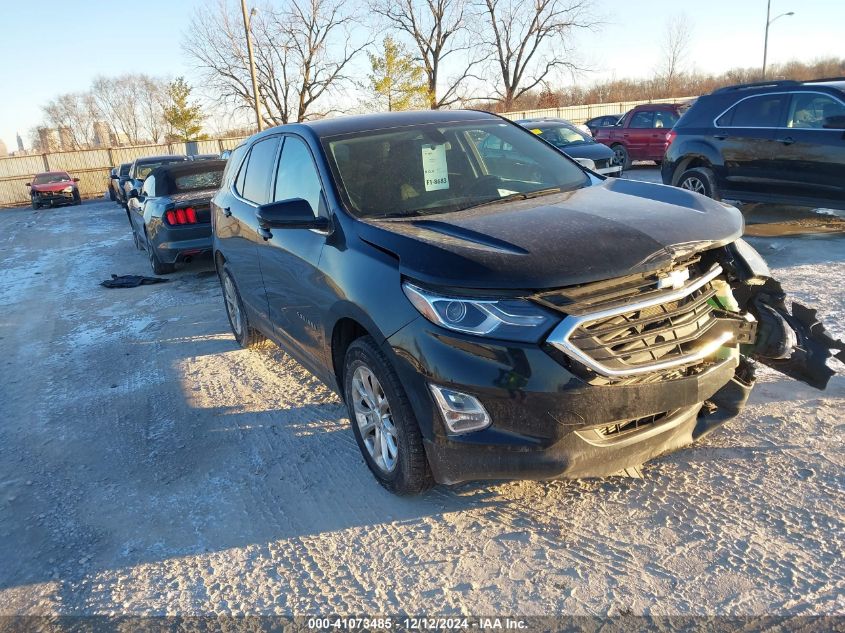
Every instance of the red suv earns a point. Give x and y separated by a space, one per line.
643 133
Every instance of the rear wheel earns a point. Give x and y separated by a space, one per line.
245 335
382 420
138 244
621 157
159 267
700 180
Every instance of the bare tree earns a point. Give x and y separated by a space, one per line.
675 47
151 100
439 31
116 101
529 40
74 114
302 53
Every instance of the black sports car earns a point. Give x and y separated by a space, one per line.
170 216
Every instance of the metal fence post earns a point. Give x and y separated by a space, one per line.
46 162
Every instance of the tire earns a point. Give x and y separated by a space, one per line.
35 205
245 334
370 384
159 267
700 180
138 244
112 195
621 156
77 199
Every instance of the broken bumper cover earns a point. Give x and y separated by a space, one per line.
546 422
176 244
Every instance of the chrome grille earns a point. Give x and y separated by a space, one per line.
659 330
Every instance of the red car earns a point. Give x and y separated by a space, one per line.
643 133
52 188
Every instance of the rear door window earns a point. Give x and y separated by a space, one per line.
760 111
254 181
643 119
665 119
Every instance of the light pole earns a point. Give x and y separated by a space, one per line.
766 40
247 22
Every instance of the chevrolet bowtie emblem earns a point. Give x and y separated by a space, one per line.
675 279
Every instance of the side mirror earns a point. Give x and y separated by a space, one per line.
294 213
28 184
835 122
75 179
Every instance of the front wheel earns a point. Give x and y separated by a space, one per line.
35 205
700 180
77 199
382 420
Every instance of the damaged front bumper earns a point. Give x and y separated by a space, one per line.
637 367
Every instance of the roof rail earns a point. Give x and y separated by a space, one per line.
758 84
816 81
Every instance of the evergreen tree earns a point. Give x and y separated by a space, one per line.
183 116
397 81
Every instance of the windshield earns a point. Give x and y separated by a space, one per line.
560 134
46 179
436 168
145 169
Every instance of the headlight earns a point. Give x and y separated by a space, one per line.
757 266
508 319
67 189
586 162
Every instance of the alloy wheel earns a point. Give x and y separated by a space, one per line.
233 309
619 155
375 419
695 184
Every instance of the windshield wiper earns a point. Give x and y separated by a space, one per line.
519 195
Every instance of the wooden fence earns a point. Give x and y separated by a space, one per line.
91 166
580 113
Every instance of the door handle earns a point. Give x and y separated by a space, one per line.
227 212
720 137
786 141
265 234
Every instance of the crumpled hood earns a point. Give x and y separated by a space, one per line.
54 186
611 229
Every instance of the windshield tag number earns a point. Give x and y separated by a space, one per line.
435 170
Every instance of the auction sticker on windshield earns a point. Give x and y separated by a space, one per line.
435 170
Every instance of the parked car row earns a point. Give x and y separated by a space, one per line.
166 202
775 142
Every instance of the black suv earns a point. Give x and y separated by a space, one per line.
777 142
487 315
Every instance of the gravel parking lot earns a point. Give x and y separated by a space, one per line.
150 466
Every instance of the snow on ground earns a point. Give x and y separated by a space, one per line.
148 466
